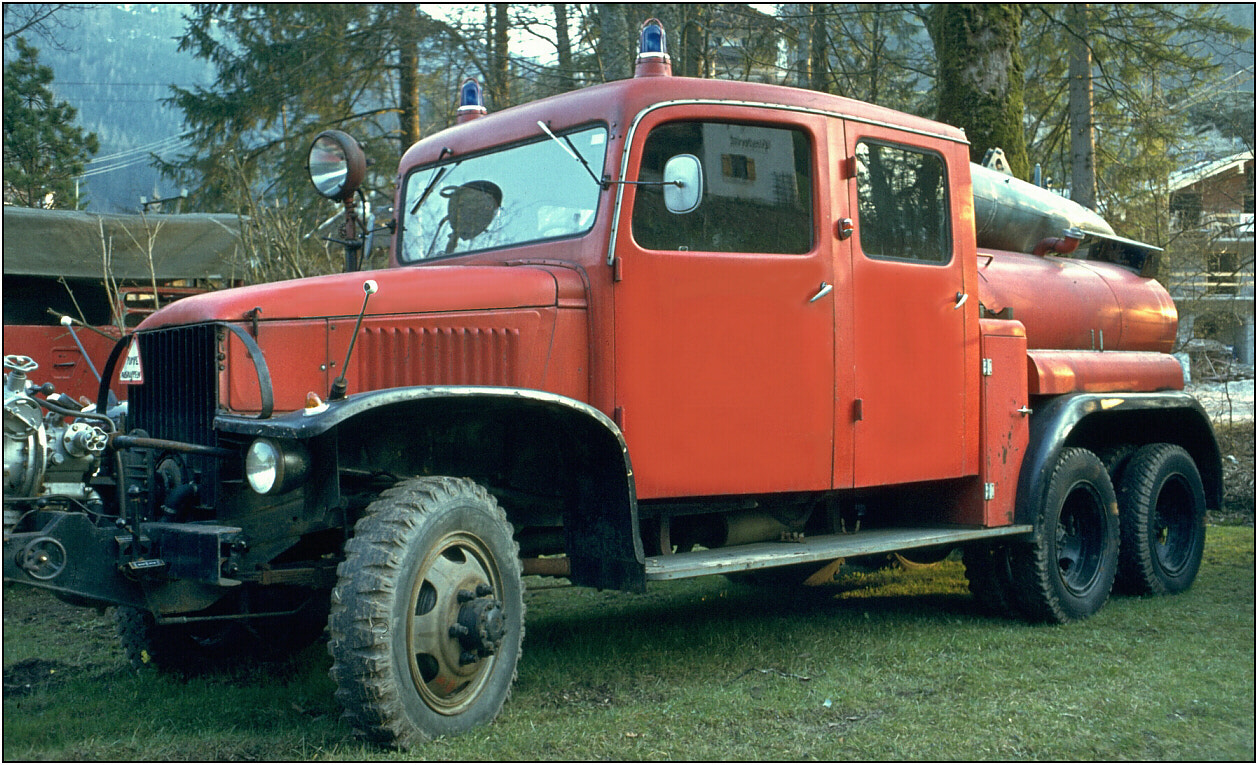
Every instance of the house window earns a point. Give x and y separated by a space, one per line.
1186 209
1223 273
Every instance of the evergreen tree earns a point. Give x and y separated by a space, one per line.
44 150
285 72
979 85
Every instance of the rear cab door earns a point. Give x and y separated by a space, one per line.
914 411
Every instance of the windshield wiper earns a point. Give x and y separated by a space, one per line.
438 174
568 147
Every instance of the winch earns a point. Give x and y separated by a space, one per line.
47 454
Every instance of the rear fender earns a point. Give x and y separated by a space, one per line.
1097 420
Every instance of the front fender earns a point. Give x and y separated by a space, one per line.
601 522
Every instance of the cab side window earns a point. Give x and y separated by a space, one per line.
901 204
758 190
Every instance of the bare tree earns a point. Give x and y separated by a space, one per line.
1080 109
46 21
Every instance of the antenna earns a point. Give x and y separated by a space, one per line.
340 385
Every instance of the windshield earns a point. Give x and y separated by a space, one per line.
518 195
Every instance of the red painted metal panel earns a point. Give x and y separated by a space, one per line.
1076 304
402 291
394 356
724 369
59 359
1004 426
503 348
915 349
296 354
1057 372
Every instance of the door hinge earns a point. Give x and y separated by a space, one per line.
986 368
858 412
617 273
990 491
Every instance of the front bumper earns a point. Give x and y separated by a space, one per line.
171 568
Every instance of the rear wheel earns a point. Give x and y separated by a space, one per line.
428 613
1067 570
1162 521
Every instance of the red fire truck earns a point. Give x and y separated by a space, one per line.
652 329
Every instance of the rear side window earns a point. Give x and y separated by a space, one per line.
901 204
758 190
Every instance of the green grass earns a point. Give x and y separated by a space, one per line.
885 665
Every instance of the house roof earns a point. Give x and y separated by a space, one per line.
1200 171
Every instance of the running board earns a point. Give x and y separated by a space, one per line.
726 560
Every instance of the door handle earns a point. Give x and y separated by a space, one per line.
823 291
961 300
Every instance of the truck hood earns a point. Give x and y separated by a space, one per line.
401 290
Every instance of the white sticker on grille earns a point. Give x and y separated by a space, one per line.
131 371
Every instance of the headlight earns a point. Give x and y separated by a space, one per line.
336 164
271 468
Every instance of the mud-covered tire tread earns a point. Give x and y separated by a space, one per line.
362 667
1147 473
1115 458
133 627
1038 590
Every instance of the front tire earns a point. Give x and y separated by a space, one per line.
428 613
1162 521
1066 572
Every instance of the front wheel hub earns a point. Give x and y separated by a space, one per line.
481 624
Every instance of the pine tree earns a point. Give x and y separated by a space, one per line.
980 76
44 150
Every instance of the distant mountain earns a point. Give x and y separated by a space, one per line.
118 63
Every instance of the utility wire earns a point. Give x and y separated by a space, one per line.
154 146
134 157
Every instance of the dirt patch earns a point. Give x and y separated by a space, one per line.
1237 450
600 696
24 677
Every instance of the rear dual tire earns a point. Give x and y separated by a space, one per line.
1162 521
1066 572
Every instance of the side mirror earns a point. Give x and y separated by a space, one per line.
336 164
683 183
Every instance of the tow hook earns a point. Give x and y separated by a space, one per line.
480 627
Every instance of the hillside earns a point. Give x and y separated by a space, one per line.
118 63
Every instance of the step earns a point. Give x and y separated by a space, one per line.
726 560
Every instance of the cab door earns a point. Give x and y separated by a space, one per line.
914 409
725 314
